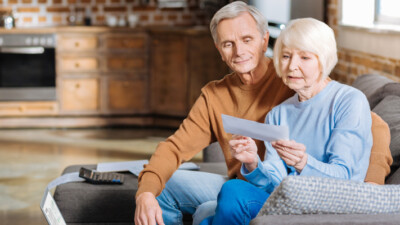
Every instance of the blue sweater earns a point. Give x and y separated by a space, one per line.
335 127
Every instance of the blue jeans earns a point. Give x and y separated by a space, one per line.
238 203
190 192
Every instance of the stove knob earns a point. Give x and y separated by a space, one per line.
28 41
50 41
42 41
35 41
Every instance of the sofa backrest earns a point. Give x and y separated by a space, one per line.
383 95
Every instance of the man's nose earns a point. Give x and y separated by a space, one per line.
239 48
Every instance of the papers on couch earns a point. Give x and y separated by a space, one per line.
136 166
253 129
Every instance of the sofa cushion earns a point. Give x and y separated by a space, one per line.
389 110
318 195
369 83
324 219
382 92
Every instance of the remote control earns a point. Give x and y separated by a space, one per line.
97 177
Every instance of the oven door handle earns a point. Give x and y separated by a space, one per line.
22 50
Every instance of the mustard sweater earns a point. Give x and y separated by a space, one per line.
203 126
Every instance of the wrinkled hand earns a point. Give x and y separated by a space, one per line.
244 149
293 153
148 211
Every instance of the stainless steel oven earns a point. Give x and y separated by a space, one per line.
27 67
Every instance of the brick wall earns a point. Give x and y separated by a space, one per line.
354 63
41 13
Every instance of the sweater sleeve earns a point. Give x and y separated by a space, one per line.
381 157
193 135
348 148
268 173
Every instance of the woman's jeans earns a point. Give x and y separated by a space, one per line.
190 192
238 203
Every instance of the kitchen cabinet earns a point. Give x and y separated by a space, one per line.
183 61
112 76
39 108
103 73
80 95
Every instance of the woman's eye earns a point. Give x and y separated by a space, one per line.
305 57
285 56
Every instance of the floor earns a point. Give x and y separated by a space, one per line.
30 159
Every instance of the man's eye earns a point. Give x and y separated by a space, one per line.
305 57
247 40
227 45
285 56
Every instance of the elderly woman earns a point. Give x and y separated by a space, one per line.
329 123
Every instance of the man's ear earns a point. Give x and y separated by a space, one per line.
216 45
265 39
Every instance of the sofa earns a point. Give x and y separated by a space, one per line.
85 203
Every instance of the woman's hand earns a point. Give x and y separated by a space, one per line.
293 153
244 149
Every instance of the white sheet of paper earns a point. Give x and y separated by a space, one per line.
253 129
136 166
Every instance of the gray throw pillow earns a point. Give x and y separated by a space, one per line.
369 83
317 195
382 92
389 110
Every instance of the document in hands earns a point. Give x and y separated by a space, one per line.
253 129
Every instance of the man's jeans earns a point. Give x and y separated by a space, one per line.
190 192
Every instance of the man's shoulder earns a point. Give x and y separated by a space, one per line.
224 82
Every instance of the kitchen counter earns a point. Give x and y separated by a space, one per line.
90 29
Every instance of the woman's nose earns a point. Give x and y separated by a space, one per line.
293 64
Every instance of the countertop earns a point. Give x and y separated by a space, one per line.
99 29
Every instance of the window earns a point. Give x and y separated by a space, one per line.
387 11
368 13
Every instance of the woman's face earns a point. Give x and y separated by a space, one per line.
300 70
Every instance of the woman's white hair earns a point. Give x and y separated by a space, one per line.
309 35
233 10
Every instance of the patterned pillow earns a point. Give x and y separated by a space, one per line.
317 195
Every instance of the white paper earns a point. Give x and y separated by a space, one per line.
132 166
51 211
136 166
253 129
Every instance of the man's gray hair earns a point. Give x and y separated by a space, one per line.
233 10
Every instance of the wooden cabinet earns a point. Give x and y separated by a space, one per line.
182 63
107 76
80 95
41 108
126 94
169 77
103 73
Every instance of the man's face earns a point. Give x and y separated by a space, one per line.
240 43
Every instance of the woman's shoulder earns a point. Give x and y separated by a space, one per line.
349 98
347 91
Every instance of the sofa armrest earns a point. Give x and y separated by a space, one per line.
394 178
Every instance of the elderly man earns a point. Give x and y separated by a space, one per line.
250 92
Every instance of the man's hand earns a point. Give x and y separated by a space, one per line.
244 149
148 211
293 153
